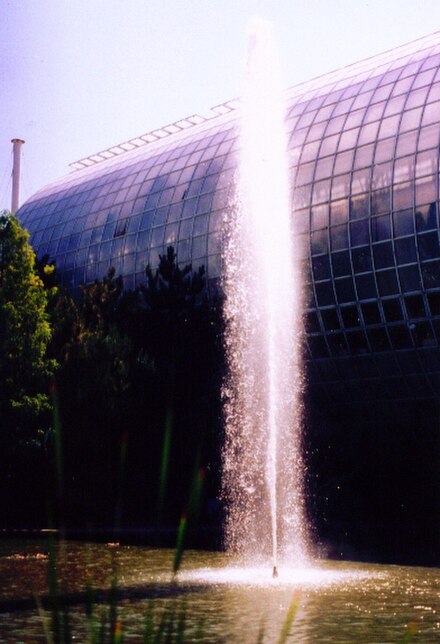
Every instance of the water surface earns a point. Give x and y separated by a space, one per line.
337 601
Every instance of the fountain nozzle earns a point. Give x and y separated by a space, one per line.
274 572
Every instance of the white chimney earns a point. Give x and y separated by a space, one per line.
15 201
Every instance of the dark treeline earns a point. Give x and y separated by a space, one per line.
110 405
134 404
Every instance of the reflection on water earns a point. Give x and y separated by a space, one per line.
338 601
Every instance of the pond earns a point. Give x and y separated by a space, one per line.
222 600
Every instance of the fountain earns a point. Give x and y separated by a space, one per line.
262 464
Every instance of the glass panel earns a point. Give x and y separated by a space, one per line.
339 210
324 168
403 195
403 223
354 119
304 173
434 302
321 267
350 316
429 136
345 290
171 234
384 150
214 244
359 232
428 245
348 139
200 225
395 105
368 133
404 169
357 343
324 293
411 119
402 86
310 151
330 319
431 113
383 92
416 98
183 251
383 255
340 186
406 144
341 263
405 250
387 282
364 156
337 344
415 306
426 217
161 215
434 93
189 207
378 339
424 78
359 206
324 113
426 189
301 196
339 237
361 258
321 191
185 228
319 242
360 181
381 176
371 313
426 162
366 286
199 246
343 106
362 99
334 125
316 131
374 112
400 337
343 162
431 275
320 216
328 145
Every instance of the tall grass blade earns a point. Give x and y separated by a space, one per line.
149 625
290 616
178 552
164 467
44 620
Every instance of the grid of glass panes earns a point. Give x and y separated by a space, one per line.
363 145
126 214
365 159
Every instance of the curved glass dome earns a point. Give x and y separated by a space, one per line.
364 154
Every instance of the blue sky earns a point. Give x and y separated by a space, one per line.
78 76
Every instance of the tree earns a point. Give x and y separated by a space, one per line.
25 331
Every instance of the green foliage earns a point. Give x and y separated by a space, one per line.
129 362
25 332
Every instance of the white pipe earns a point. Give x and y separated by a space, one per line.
15 201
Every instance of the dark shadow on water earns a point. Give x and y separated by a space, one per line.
102 596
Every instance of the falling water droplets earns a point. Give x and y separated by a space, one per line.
262 464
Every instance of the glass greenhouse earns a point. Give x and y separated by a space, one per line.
364 158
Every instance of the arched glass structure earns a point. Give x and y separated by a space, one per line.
364 156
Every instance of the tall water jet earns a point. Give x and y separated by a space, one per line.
262 465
